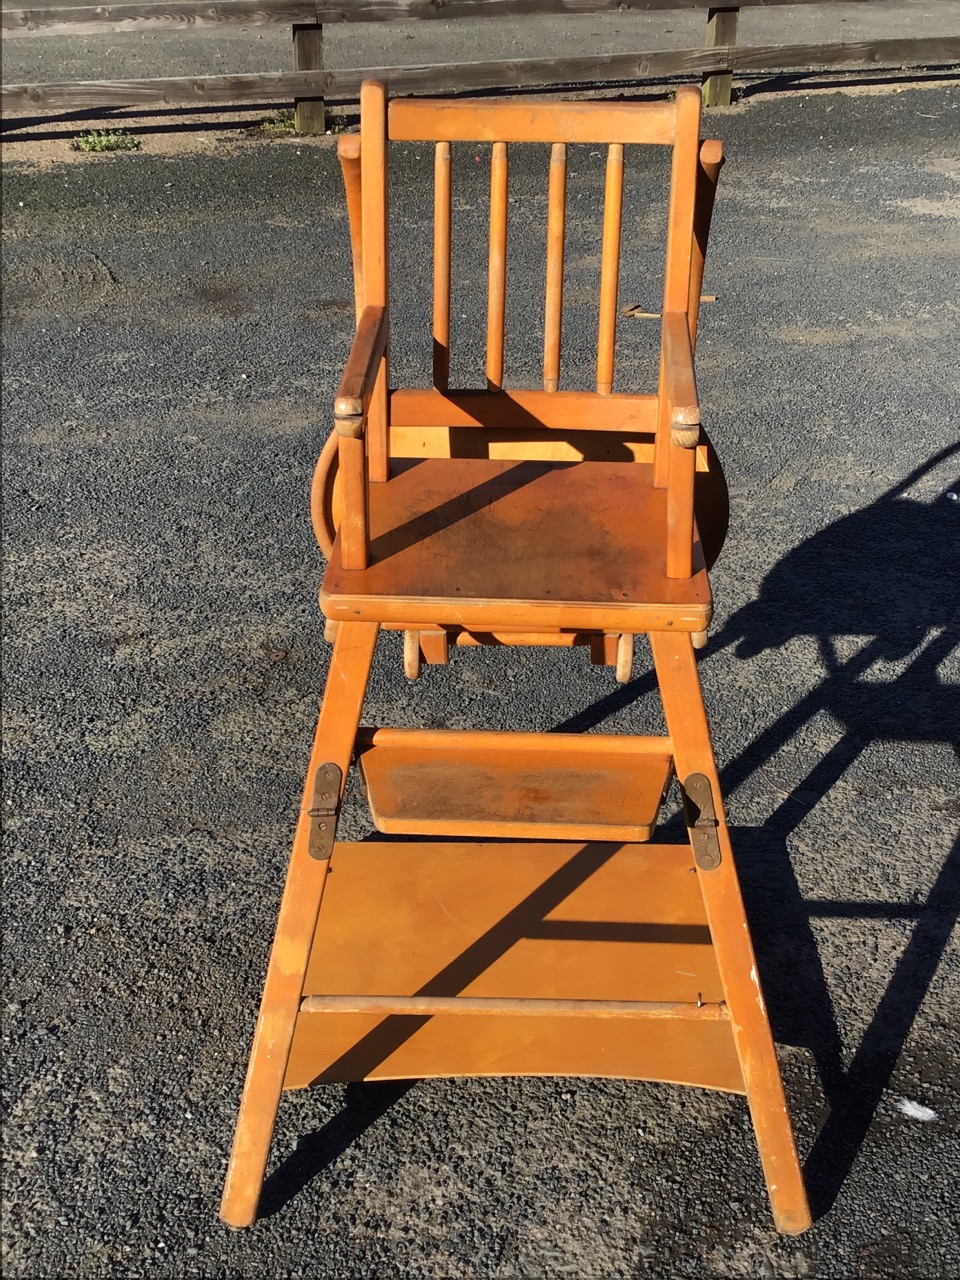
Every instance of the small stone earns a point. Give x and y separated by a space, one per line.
916 1110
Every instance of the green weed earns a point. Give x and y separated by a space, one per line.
282 122
107 140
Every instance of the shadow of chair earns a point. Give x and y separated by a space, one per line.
886 578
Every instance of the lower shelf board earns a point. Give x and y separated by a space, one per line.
549 922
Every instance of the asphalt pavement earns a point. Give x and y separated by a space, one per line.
174 328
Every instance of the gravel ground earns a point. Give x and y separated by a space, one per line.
174 329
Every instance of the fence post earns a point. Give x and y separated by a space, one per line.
309 113
721 29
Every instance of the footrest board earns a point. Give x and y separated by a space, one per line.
535 785
550 922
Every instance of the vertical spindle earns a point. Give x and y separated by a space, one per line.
441 266
497 272
556 220
610 268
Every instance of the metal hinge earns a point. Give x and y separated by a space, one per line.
323 812
701 816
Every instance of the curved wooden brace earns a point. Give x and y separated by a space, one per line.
326 501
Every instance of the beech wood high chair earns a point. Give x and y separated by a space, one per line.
517 517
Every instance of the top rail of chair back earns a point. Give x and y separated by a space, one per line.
432 120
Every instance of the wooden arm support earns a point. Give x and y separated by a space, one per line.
708 174
683 412
360 375
357 385
348 153
683 406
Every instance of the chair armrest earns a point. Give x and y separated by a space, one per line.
680 384
360 375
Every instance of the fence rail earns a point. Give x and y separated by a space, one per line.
67 18
309 85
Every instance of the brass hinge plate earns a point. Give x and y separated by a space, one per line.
701 815
323 812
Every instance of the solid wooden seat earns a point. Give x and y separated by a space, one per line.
483 543
528 516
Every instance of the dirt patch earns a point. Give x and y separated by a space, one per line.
80 286
924 207
43 144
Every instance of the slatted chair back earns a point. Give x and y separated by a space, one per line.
674 124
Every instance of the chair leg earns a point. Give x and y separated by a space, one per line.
283 989
688 729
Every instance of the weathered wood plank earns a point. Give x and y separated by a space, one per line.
309 113
80 17
283 86
381 10
721 30
533 72
87 19
457 77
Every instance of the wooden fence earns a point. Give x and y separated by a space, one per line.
310 84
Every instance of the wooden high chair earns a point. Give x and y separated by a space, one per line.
517 517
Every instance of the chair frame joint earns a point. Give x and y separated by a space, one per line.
702 822
324 811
